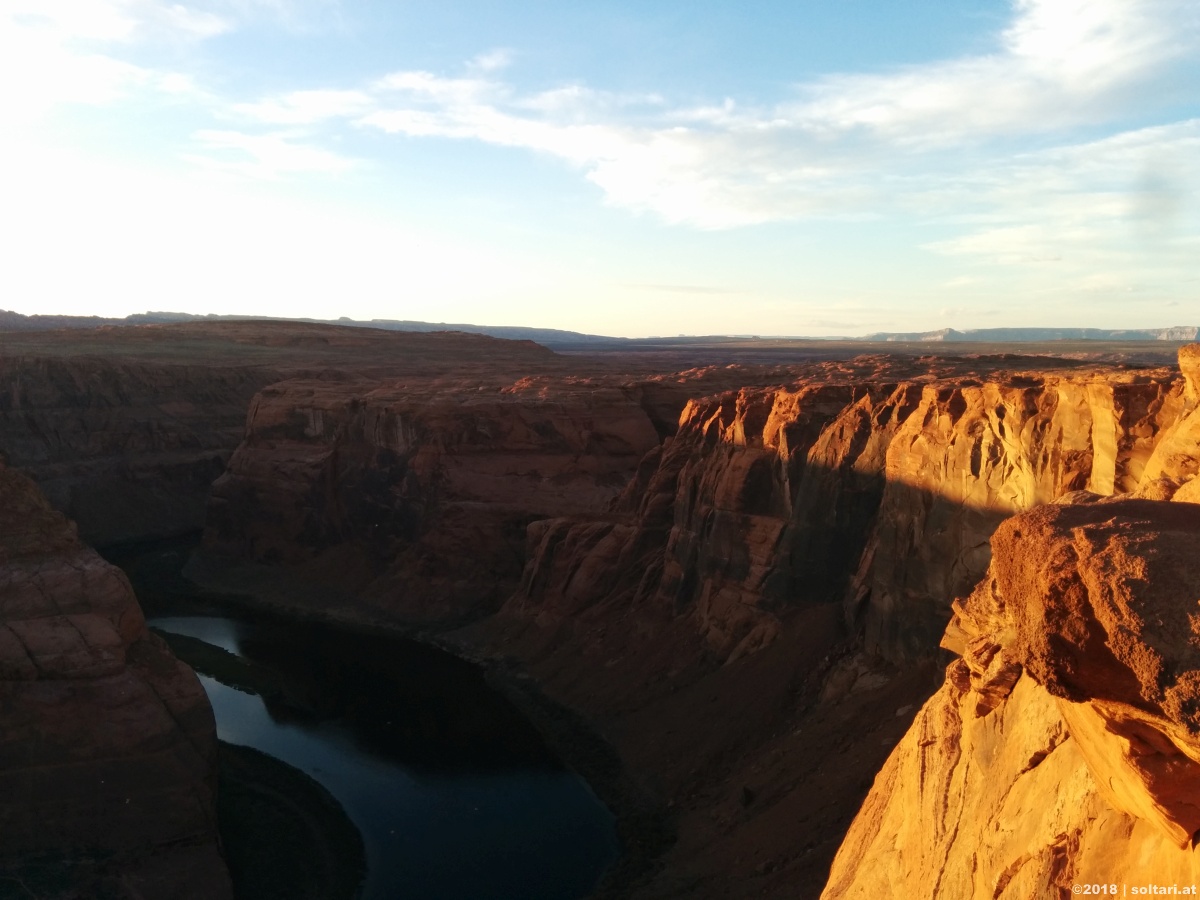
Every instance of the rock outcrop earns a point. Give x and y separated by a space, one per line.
108 746
1064 746
768 561
775 550
878 495
971 455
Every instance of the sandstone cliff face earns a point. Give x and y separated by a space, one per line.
971 455
126 428
127 450
108 750
754 568
879 495
1063 747
429 492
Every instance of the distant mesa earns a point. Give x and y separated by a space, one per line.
1034 335
548 337
558 339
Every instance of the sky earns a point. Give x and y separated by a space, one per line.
621 168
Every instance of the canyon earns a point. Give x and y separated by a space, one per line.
738 574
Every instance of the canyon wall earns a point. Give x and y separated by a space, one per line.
108 750
1062 748
738 574
971 455
879 496
423 497
125 429
783 563
127 450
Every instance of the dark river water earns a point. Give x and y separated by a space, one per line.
454 793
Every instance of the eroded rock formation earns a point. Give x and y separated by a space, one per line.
760 568
125 429
127 450
878 494
738 575
1064 746
429 495
108 745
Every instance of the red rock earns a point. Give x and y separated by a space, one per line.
108 745
1070 751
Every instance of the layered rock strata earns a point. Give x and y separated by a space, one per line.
1064 746
419 495
126 428
756 566
127 450
108 746
880 496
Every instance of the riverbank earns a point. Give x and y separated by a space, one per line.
644 826
284 836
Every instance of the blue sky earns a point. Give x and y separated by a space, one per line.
802 168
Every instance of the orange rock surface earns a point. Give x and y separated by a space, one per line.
1064 747
878 495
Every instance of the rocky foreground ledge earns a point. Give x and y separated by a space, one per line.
1064 746
108 747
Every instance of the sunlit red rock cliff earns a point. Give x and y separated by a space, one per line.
1064 746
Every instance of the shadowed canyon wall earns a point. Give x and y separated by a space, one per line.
125 429
127 450
881 496
108 746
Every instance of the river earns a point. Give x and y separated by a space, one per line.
454 793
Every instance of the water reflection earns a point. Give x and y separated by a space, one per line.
454 793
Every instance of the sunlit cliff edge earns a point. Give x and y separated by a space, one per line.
1064 745
782 562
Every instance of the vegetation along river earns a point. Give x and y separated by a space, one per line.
452 792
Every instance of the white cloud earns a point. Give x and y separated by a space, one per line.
265 155
845 146
55 52
923 143
492 61
116 20
306 107
1134 193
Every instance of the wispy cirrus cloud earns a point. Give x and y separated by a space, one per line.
932 140
845 145
265 156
